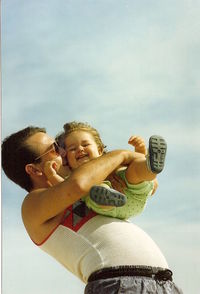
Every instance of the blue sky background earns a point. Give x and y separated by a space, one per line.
126 67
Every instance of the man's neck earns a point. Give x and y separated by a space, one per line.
42 184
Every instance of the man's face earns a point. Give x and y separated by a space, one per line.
44 145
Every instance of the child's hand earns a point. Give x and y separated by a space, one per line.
50 168
138 143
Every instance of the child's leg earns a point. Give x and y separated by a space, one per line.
106 196
146 168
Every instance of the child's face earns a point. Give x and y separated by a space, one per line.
80 148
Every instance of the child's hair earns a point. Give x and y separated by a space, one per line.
80 126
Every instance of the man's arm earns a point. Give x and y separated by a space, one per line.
43 204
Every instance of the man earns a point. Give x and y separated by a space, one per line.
110 255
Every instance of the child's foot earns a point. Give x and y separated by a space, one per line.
107 196
157 153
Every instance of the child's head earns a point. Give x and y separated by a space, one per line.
82 143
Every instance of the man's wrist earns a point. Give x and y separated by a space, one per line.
127 156
119 155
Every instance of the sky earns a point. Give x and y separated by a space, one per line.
126 67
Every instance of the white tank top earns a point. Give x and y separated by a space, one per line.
85 242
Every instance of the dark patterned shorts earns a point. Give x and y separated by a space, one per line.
132 285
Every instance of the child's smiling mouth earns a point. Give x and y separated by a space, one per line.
82 157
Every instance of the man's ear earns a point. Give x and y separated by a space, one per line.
32 169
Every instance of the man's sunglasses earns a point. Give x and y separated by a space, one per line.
56 148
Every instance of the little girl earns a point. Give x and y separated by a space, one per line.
82 143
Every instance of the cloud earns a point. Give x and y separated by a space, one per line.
176 240
32 262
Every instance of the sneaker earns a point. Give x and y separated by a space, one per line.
157 153
107 196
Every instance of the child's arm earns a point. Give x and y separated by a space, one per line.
50 170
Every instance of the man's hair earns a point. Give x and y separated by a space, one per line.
16 154
80 126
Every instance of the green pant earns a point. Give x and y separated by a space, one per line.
136 199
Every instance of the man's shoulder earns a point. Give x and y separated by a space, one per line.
32 194
29 199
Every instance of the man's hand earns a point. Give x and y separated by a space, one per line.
117 182
155 181
138 143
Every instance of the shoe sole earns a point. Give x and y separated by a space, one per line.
157 153
107 196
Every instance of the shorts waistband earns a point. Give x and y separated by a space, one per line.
157 273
